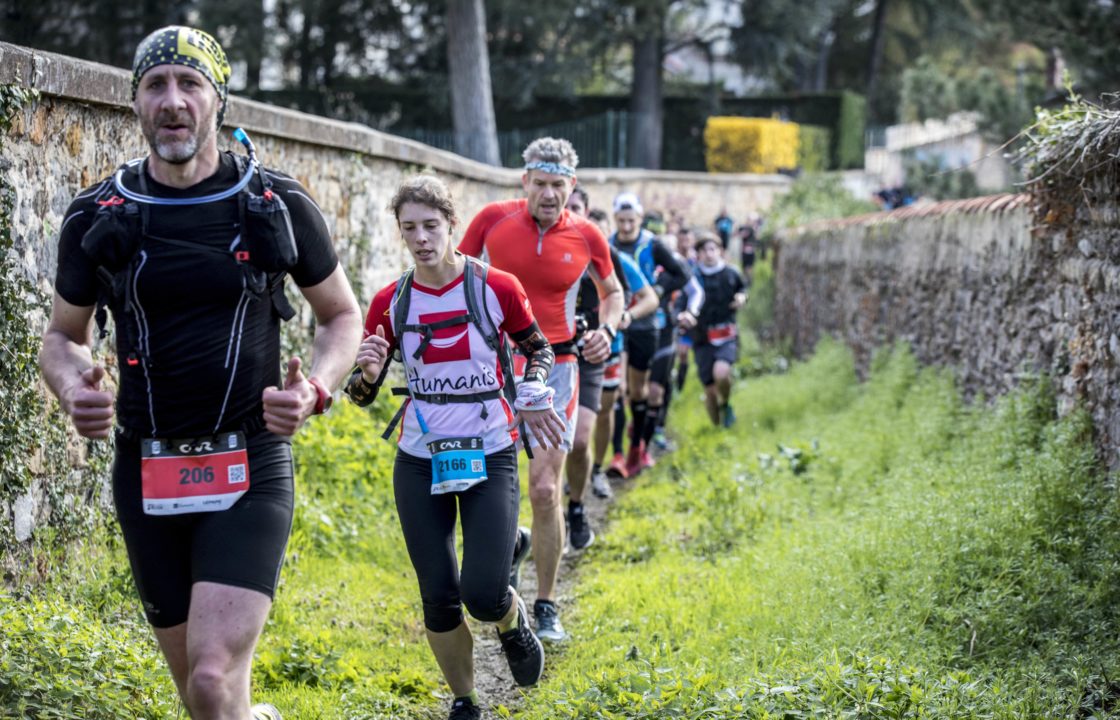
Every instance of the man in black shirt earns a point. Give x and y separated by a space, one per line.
188 249
716 335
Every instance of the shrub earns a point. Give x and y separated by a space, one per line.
58 662
813 148
750 145
813 197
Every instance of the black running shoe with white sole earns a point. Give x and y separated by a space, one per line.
464 709
579 530
523 650
521 547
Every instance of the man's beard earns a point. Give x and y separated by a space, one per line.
177 152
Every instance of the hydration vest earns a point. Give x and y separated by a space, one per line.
642 255
264 247
477 314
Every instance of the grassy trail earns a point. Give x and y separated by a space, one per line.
856 550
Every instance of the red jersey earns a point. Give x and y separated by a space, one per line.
549 263
457 361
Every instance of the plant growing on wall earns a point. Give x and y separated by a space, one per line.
33 437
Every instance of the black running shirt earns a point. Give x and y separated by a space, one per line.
719 290
211 351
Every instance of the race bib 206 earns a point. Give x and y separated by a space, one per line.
205 474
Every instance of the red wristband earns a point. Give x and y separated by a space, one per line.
323 402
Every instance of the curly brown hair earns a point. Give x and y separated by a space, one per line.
425 190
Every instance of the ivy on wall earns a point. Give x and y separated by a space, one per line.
33 431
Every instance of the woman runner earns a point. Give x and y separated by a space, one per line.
456 449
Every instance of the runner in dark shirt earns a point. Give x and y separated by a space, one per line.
191 263
716 335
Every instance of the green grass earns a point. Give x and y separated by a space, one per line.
874 550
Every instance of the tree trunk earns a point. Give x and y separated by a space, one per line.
646 102
875 51
824 53
472 101
306 64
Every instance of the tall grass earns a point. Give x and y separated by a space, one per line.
876 550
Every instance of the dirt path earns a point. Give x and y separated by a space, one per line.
492 678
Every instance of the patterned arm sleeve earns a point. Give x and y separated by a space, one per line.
360 392
538 353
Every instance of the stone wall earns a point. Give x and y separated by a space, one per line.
80 128
977 285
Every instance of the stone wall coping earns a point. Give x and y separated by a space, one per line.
66 77
994 204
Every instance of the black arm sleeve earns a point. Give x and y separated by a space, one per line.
673 275
360 392
538 353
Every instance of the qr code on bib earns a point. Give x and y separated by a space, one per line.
236 474
476 466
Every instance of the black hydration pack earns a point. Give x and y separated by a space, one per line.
476 314
265 248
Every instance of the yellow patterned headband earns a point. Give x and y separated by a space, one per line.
178 45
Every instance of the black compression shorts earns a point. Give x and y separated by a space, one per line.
489 515
640 347
242 546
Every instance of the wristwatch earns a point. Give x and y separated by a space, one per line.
323 403
611 332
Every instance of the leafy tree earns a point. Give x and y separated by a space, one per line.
927 92
1085 31
105 31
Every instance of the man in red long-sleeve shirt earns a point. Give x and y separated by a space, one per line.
548 248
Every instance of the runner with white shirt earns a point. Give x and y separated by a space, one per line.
446 319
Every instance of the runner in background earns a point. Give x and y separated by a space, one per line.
716 335
685 241
643 337
680 310
592 392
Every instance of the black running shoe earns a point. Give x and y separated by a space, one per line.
523 650
521 547
579 530
548 621
464 709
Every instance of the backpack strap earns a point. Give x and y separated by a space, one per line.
479 309
402 299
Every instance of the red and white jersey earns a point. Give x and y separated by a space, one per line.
457 361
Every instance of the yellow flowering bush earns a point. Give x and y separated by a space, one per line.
750 145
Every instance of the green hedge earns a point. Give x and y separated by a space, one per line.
813 150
